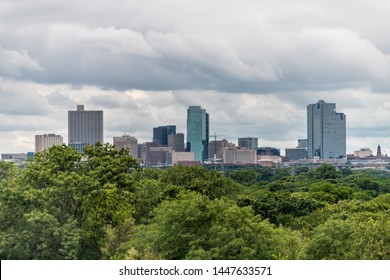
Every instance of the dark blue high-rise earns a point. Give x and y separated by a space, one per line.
161 133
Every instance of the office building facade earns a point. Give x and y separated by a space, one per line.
84 127
296 153
267 151
250 143
326 131
161 133
216 148
45 141
198 133
302 143
176 141
239 155
127 142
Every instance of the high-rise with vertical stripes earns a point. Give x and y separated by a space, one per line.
84 127
198 133
326 131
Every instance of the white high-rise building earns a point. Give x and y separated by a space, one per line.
45 141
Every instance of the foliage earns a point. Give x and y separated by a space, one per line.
194 227
61 203
7 170
362 236
100 204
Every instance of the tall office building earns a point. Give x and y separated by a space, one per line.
84 127
198 132
127 142
45 141
250 143
176 141
161 133
326 131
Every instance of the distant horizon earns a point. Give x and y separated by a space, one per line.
219 137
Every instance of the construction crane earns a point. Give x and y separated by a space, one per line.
215 145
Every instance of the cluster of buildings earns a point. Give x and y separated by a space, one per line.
326 141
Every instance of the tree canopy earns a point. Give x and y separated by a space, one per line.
99 204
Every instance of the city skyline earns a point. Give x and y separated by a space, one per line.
254 65
211 137
317 138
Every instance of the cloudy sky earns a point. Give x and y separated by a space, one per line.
254 65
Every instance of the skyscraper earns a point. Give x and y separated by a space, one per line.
198 132
326 131
161 133
84 127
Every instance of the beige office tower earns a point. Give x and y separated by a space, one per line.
129 142
45 141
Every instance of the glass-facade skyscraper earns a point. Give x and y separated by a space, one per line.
198 132
326 131
161 133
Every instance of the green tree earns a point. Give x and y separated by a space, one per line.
75 196
329 192
327 171
199 179
7 170
247 176
192 226
364 236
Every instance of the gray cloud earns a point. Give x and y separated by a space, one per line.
15 63
57 98
21 100
239 46
253 65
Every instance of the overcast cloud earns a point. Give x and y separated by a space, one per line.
253 65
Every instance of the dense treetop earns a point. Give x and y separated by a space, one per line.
101 205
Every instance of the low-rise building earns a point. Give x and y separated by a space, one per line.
363 152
